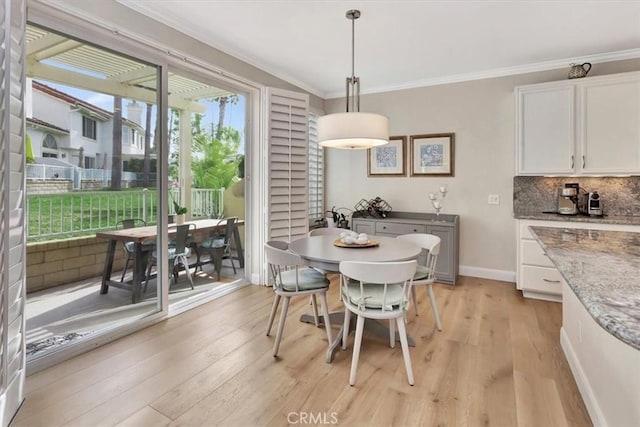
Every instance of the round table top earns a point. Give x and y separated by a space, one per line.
319 251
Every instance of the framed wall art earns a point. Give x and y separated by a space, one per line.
388 159
432 154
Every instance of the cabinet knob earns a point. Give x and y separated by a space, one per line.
572 162
384 227
551 281
583 162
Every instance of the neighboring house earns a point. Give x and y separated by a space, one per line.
76 132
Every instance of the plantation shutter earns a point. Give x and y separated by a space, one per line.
12 244
316 171
288 160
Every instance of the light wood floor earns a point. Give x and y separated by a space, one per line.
497 362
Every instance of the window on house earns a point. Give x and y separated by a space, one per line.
316 171
50 142
88 128
49 146
89 162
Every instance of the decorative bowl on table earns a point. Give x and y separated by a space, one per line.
351 239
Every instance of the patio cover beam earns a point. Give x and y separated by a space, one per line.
70 78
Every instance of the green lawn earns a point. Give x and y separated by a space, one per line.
56 216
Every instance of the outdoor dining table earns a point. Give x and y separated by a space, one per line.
320 252
138 236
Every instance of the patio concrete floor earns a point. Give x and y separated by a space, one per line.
65 313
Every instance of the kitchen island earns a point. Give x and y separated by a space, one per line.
601 316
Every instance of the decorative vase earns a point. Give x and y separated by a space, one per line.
180 219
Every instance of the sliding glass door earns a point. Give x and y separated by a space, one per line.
93 202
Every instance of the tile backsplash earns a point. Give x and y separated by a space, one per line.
533 194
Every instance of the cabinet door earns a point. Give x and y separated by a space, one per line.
444 266
360 226
545 130
610 125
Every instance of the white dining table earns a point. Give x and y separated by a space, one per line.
320 252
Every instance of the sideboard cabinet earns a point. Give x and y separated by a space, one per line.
444 226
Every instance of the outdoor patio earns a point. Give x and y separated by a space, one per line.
62 314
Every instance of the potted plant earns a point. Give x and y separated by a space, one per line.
180 212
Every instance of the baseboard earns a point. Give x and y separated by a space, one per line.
581 380
255 279
488 273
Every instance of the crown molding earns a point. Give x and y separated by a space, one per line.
501 72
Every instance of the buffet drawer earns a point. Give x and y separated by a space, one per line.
533 254
399 228
541 279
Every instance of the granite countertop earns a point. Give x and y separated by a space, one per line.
603 269
618 219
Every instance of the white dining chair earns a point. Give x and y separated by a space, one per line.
290 279
377 290
326 231
426 271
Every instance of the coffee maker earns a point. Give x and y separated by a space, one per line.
593 204
568 199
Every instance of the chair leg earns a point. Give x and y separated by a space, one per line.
232 264
392 333
146 283
434 307
126 265
272 316
356 350
415 299
405 349
197 252
283 316
217 263
185 264
314 304
327 320
345 328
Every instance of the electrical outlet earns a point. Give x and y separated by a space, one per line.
494 199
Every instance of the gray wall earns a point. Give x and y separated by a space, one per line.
481 113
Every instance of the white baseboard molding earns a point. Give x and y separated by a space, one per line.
581 380
488 273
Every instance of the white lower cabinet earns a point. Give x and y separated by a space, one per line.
537 277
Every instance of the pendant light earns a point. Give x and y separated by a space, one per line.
353 129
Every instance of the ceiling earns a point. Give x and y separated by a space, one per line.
403 44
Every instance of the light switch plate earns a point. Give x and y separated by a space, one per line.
494 199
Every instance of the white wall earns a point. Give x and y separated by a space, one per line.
481 114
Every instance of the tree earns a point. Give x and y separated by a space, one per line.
116 166
222 104
217 163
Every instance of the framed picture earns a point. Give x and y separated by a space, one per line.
432 155
388 159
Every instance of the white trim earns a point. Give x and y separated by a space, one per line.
501 72
581 380
488 273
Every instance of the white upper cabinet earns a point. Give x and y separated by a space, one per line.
610 125
582 126
546 131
